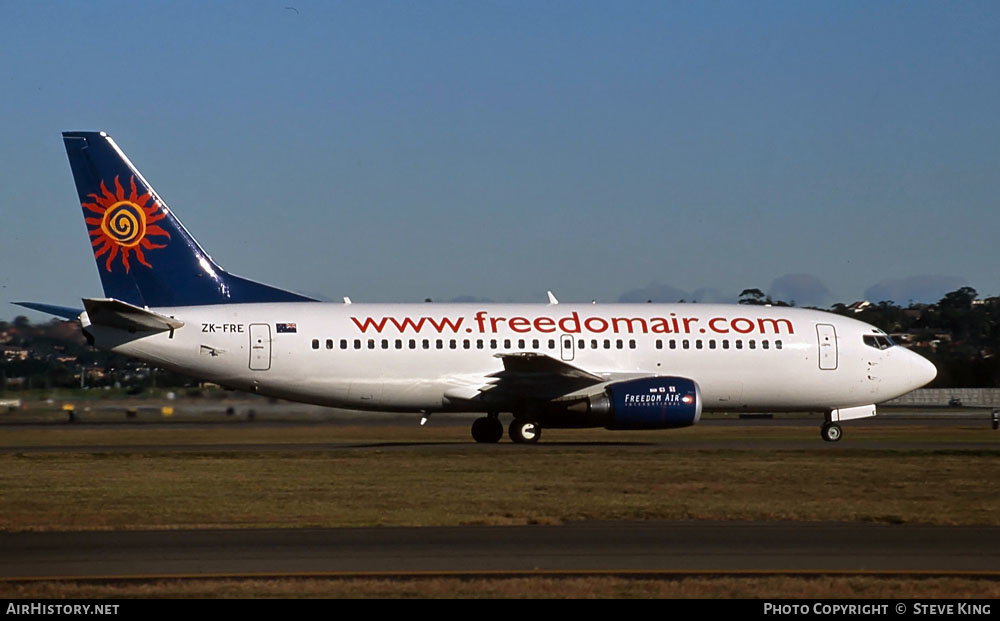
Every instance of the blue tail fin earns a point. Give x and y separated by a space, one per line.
144 254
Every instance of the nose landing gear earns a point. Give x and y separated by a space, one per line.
831 432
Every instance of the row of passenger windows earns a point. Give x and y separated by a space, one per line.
723 343
551 343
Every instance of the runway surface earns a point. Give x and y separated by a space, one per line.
408 435
656 546
748 444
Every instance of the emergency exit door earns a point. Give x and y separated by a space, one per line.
566 343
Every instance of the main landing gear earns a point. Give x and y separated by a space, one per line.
523 431
831 432
488 430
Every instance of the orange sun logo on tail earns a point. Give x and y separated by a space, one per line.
124 222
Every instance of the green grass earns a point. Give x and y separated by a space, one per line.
392 479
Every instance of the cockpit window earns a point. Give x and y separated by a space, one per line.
878 341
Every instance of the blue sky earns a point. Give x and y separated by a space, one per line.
604 150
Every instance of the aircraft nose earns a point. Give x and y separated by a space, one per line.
922 370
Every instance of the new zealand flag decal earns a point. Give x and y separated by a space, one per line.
285 327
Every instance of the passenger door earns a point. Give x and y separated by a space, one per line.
826 335
260 347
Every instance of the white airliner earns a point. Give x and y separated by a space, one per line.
619 366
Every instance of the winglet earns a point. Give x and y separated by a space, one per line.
552 298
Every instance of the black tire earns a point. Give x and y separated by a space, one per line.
487 430
831 432
523 431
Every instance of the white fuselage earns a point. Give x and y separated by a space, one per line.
433 357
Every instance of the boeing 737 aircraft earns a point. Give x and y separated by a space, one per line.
618 366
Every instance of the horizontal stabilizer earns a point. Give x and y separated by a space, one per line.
118 314
66 312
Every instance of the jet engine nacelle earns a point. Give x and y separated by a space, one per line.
648 403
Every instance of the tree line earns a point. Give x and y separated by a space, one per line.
960 333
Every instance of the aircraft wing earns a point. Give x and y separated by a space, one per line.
527 376
524 364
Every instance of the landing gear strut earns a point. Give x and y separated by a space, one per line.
831 432
487 429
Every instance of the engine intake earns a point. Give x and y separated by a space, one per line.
648 403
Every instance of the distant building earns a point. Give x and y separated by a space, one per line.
13 352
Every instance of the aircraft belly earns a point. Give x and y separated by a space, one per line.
723 393
412 394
